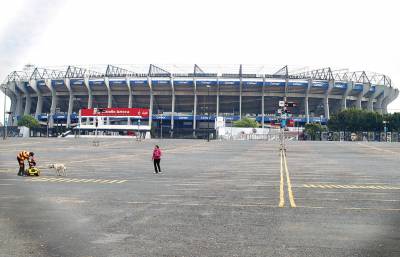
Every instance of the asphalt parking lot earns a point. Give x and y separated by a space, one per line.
218 198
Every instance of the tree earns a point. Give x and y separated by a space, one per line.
246 123
355 120
28 121
312 129
394 121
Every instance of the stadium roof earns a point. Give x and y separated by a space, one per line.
167 70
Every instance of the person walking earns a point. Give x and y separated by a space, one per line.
156 159
21 157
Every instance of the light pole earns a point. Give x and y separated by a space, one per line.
161 127
47 125
208 113
233 115
139 135
4 114
385 129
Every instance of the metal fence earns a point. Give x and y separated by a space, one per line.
391 136
11 131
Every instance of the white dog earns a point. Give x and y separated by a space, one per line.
60 168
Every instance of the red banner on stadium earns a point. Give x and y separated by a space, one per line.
143 112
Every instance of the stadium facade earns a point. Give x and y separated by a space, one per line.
187 97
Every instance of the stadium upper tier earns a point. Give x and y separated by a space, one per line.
226 90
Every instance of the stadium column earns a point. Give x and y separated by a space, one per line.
22 87
90 94
379 101
365 90
53 102
17 108
13 106
39 103
389 91
128 84
306 108
171 79
262 103
326 98
378 90
70 101
151 102
194 105
346 93
109 99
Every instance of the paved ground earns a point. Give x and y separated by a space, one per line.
213 199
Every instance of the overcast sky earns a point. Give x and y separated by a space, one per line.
359 35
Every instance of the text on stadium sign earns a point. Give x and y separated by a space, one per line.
143 112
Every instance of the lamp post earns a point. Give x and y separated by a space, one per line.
4 114
161 126
139 135
47 125
208 113
385 129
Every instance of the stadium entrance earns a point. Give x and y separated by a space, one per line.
113 122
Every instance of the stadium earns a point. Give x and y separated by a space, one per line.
185 99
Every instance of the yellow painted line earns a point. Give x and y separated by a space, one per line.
291 198
52 179
78 180
112 181
281 192
35 179
351 187
75 180
87 180
97 180
61 179
103 181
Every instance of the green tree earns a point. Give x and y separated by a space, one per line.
28 121
313 129
394 121
245 123
355 120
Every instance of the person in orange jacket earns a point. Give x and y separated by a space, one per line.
21 157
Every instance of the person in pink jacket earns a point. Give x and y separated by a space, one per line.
156 159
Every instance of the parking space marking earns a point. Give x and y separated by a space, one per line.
327 186
77 180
